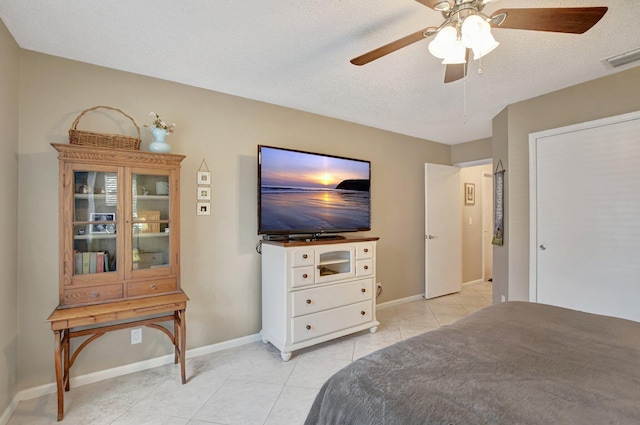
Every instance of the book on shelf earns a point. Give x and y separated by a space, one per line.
78 262
89 262
86 261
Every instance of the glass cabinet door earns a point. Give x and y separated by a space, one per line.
95 222
150 221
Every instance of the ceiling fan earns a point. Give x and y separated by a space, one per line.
466 29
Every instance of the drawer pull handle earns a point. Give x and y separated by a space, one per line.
363 313
366 267
305 256
304 276
319 267
366 250
308 301
94 294
308 327
363 290
153 286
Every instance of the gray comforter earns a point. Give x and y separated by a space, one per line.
511 363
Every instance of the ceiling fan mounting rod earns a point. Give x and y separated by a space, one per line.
457 15
461 5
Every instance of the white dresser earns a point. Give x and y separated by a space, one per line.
316 291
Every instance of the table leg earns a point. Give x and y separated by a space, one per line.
66 339
183 344
58 363
176 339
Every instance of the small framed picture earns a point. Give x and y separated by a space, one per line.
204 193
469 194
203 208
204 177
109 225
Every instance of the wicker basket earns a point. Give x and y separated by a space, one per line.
102 140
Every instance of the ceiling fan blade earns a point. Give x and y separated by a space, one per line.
573 20
433 4
391 47
457 71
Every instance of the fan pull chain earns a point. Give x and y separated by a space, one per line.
480 71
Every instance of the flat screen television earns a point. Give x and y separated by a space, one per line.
306 193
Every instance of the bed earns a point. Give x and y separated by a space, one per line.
510 363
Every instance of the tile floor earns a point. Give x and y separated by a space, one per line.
246 385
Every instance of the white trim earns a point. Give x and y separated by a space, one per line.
394 303
35 392
473 282
474 163
533 179
6 415
533 217
485 175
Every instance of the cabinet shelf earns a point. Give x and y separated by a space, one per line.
334 261
113 235
96 196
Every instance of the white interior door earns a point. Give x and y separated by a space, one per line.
585 204
487 226
443 226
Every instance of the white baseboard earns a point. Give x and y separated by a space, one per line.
394 303
6 415
101 375
473 282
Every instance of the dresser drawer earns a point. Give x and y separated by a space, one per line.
151 287
329 321
364 268
302 276
302 257
92 294
364 251
318 299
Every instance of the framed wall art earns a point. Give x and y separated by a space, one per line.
469 194
204 193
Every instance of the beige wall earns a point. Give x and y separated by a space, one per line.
500 149
609 96
220 266
9 66
472 223
471 151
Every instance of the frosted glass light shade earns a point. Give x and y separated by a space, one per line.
473 28
486 45
443 42
456 54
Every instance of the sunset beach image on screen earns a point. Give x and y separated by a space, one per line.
312 193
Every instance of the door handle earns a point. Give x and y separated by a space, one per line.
543 247
430 237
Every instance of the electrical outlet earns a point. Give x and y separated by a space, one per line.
503 298
136 336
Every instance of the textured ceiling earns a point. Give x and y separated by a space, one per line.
296 53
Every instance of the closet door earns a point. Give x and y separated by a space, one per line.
585 217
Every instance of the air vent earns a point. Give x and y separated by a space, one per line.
621 59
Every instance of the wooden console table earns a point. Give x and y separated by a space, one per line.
95 318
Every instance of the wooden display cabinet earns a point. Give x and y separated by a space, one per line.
119 224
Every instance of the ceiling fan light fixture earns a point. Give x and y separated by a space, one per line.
455 54
485 45
443 42
476 35
472 28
